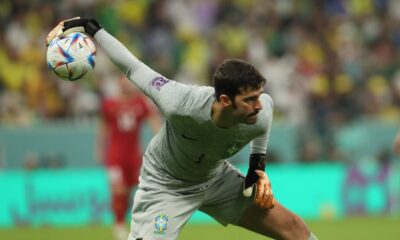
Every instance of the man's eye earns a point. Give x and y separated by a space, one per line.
250 99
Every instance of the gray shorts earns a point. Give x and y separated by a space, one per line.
161 213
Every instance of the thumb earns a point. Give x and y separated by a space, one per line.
260 173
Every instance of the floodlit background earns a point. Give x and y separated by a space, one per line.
333 72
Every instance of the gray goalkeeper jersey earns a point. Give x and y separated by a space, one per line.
189 149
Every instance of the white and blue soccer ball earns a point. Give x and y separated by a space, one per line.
72 56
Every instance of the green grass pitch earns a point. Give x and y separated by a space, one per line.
371 228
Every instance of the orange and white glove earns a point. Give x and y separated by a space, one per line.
258 179
77 24
264 196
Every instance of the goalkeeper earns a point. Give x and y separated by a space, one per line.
185 165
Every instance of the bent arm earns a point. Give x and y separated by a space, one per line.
259 144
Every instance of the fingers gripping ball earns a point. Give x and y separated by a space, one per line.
72 56
76 24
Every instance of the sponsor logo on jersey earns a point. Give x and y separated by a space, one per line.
231 149
161 221
158 82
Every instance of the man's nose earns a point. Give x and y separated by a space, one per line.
257 105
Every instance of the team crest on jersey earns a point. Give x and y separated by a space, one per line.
231 149
158 82
161 222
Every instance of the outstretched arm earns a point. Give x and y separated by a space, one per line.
114 49
153 84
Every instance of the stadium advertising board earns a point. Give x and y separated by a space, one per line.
75 197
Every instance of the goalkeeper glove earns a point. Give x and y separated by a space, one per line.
83 25
256 176
256 161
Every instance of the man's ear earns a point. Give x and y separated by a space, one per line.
225 100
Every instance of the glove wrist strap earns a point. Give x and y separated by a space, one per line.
257 161
91 26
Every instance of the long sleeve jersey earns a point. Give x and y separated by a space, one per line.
189 149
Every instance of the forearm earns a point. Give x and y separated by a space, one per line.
132 67
151 83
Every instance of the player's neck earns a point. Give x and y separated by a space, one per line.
221 116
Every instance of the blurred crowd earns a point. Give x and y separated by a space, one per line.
327 62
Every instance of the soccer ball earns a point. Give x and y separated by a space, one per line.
71 56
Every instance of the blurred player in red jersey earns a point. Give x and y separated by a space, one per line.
118 145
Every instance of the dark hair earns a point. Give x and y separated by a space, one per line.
234 75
